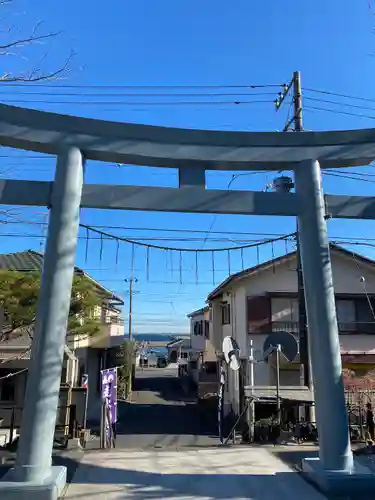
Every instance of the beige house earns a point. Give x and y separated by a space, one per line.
259 301
83 355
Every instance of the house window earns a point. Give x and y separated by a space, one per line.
364 316
195 328
193 365
225 314
207 329
284 310
198 328
64 375
7 389
346 315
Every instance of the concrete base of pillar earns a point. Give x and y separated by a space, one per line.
360 480
74 444
51 489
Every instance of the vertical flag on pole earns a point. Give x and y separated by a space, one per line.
109 396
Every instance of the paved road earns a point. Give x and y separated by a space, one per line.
162 415
189 474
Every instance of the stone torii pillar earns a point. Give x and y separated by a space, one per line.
334 468
33 477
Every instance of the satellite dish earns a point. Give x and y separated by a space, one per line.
287 342
231 353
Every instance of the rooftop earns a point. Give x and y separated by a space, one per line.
234 278
32 261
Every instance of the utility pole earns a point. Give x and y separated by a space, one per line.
296 119
250 418
130 314
302 319
131 280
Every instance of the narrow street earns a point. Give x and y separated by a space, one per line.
162 415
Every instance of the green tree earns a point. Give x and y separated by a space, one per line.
19 294
123 357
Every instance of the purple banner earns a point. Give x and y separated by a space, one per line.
109 391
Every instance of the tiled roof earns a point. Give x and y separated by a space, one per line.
30 261
22 261
22 341
15 345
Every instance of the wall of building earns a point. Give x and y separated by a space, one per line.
197 342
347 273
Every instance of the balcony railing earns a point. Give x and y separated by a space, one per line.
345 328
114 321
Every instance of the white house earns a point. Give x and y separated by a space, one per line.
203 359
83 354
263 299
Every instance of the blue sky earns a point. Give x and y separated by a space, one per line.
188 43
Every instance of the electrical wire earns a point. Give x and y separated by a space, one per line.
347 96
363 281
343 176
167 230
337 103
337 111
137 103
133 94
143 239
14 374
104 86
346 239
350 172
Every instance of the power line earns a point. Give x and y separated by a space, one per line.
337 103
131 239
347 96
178 230
13 374
350 172
137 103
133 94
337 111
343 176
116 86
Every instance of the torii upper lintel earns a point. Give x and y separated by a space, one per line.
148 145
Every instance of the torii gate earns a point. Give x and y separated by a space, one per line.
74 139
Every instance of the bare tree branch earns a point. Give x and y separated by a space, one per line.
18 47
12 47
33 38
35 74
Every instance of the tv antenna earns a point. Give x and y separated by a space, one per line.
231 353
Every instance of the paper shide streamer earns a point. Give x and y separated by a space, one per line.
180 267
87 244
196 268
170 251
213 267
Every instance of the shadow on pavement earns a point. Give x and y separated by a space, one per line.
150 485
161 384
162 419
